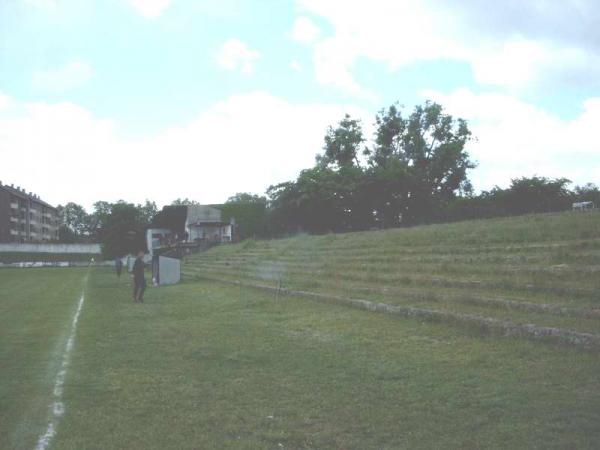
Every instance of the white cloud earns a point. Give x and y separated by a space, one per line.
520 63
236 55
516 139
42 3
72 75
150 9
243 143
305 30
295 65
5 101
521 46
395 33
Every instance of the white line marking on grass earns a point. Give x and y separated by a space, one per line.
58 407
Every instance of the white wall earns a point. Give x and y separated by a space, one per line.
169 270
51 248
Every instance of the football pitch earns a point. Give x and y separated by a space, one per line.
203 365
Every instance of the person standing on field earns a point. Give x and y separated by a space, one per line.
118 267
139 280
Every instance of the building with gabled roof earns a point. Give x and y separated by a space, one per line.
190 224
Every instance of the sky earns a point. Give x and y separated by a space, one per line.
200 99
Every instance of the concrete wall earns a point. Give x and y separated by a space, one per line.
27 265
51 248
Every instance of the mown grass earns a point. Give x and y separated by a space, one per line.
202 365
35 308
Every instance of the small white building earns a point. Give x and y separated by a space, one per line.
204 224
583 206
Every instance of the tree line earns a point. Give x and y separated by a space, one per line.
414 170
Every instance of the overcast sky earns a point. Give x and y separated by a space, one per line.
160 99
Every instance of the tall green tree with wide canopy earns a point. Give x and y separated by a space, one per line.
342 144
74 218
427 150
415 164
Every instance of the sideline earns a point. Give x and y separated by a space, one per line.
57 406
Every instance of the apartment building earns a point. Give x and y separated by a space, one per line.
24 217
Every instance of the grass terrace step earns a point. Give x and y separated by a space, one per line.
280 247
410 276
415 285
589 322
484 323
374 255
571 274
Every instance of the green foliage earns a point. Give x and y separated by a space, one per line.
121 227
74 223
147 211
250 214
184 202
537 194
246 197
66 235
524 196
417 163
342 144
173 218
416 171
587 193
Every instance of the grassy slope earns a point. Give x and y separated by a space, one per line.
207 366
36 306
549 259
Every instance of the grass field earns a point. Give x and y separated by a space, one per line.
204 365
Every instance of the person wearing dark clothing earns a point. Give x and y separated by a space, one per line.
118 266
139 281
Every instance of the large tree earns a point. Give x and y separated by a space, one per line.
249 212
427 150
415 165
121 226
537 194
122 232
342 144
75 218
